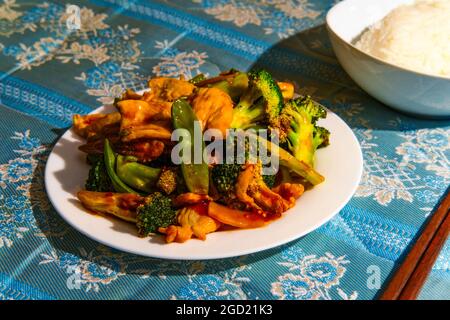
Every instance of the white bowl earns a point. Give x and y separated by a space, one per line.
406 90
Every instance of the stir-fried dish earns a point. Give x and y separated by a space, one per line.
133 175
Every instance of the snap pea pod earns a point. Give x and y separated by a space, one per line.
196 175
136 175
198 78
235 86
110 163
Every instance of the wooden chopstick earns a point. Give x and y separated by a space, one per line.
401 277
420 274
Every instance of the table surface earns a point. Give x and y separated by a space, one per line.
49 72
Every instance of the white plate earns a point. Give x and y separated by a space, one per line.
341 164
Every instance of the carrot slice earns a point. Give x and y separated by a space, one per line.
235 218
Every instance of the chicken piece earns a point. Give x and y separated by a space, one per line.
131 95
168 89
236 218
88 126
245 177
193 221
290 192
110 131
214 109
81 123
121 205
252 191
145 150
189 198
94 144
143 120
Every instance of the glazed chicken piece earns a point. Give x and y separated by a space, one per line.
289 192
121 205
131 95
91 125
157 110
214 109
193 221
145 150
168 89
190 198
96 146
141 119
252 191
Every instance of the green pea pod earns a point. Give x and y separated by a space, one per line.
234 87
196 176
110 163
198 78
136 175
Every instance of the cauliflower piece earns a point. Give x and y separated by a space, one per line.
193 221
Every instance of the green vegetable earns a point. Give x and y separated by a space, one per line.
235 86
110 163
196 176
224 176
289 161
298 130
269 180
155 213
321 137
136 175
198 78
261 103
98 179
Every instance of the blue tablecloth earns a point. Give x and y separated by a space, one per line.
49 72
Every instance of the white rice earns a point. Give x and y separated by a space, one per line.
416 37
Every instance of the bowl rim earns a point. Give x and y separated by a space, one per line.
330 29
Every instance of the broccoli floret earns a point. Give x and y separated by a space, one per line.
298 130
156 212
269 180
167 180
98 178
314 110
92 158
321 137
260 103
224 176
